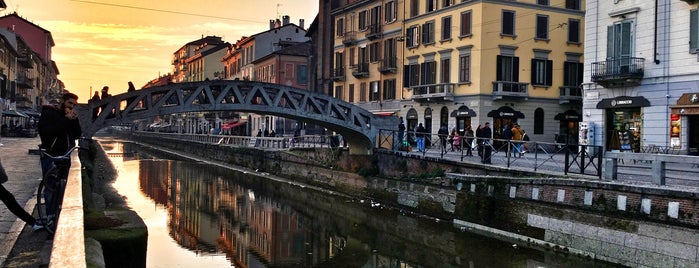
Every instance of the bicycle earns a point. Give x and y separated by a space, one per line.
51 189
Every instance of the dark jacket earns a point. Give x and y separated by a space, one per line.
58 133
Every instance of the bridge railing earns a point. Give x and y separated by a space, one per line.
280 143
525 155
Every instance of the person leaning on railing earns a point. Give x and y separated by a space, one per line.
58 128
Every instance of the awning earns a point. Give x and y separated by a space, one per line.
383 113
505 112
29 111
463 111
623 102
570 115
230 125
412 114
13 113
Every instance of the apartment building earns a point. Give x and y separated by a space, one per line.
641 73
182 59
463 63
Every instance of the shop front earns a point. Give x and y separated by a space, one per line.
503 117
411 122
463 118
684 123
624 122
568 127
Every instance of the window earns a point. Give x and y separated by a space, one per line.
338 60
390 11
572 74
389 89
412 36
446 28
389 52
288 70
464 68
414 8
619 41
508 23
542 27
362 92
465 24
508 67
428 74
539 121
302 74
445 71
428 33
340 27
338 92
543 2
352 57
430 5
375 18
375 91
573 4
411 75
542 70
447 3
694 31
362 20
574 31
374 52
350 93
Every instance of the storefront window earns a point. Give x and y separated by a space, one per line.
624 129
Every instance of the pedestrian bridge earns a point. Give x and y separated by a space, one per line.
357 126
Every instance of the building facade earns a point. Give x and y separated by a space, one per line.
463 63
642 68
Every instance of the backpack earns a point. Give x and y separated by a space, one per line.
525 137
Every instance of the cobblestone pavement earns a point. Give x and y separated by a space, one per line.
24 176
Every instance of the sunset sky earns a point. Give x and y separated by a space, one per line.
111 42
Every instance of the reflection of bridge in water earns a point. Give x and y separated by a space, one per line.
357 126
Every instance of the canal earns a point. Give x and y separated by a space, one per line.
203 215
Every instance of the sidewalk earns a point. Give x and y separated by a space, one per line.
24 176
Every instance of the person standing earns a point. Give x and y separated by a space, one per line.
469 141
401 133
443 132
486 134
420 134
517 133
479 140
507 136
11 203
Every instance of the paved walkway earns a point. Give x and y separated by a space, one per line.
24 176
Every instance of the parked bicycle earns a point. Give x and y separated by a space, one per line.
51 189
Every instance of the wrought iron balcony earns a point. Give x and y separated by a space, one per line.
26 61
338 74
24 81
350 38
389 65
509 89
570 94
361 70
619 72
374 32
433 92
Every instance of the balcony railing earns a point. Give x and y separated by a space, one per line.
350 38
25 61
338 74
619 72
433 92
361 70
570 94
389 65
24 82
374 31
502 89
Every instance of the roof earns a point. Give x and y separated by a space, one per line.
14 14
252 37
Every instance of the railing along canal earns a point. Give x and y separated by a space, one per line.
272 143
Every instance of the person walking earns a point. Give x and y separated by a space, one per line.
420 134
469 140
507 136
517 133
11 203
486 135
479 140
443 132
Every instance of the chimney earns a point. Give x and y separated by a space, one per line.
271 24
285 20
301 23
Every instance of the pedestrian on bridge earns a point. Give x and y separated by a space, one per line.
486 135
420 134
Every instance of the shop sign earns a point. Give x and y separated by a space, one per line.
503 114
675 130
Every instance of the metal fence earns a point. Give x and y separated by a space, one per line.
270 143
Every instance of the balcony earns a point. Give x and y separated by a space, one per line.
361 70
25 61
433 92
570 94
620 72
24 82
338 74
509 89
350 38
388 65
374 32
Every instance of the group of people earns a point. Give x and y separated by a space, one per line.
58 129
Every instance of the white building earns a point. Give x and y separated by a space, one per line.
642 75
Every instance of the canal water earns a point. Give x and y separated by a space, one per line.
202 215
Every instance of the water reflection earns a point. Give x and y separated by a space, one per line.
225 218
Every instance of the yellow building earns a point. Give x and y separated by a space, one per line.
468 62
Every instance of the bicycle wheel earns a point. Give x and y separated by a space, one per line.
45 207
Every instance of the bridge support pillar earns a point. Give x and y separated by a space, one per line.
610 168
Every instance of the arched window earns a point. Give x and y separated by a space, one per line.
428 120
539 121
444 117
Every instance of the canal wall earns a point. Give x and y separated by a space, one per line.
626 224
